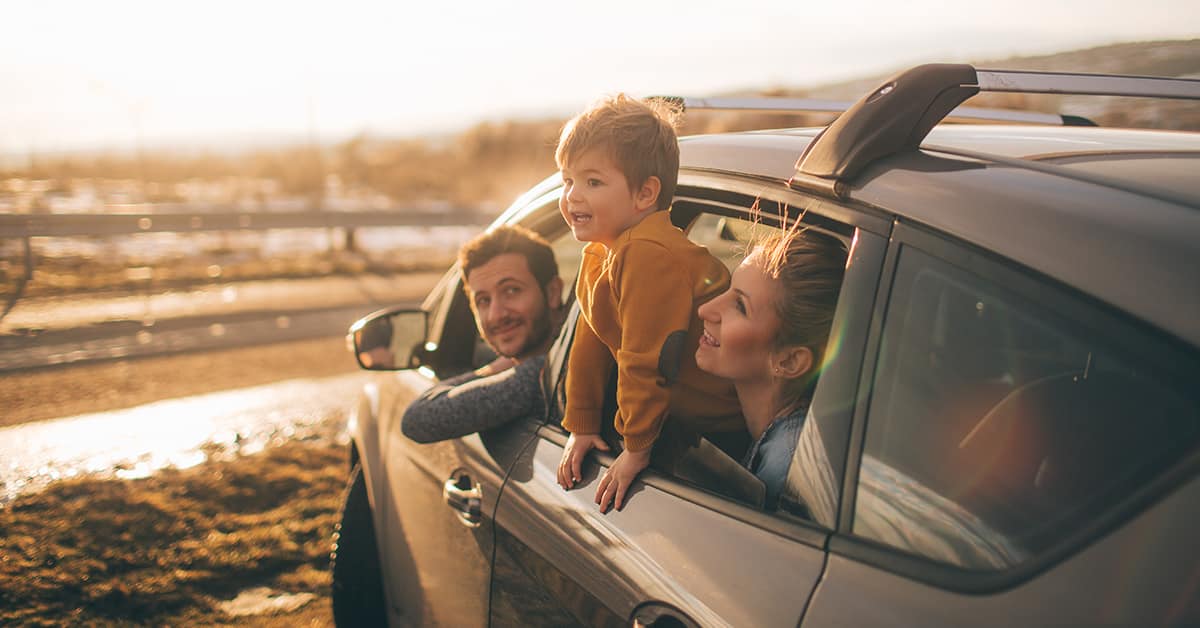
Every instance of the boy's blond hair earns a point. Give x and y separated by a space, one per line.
639 137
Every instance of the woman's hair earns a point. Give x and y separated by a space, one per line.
809 267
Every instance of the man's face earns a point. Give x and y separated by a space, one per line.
511 310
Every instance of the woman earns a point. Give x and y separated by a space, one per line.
767 334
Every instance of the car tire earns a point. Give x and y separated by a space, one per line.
358 598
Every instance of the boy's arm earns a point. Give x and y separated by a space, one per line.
587 371
655 301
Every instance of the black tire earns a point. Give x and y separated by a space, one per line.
357 579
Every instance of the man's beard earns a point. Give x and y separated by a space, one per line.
539 331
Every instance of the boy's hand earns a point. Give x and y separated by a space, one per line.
616 480
570 470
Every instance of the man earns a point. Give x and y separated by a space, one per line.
512 283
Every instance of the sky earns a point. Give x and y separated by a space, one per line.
122 74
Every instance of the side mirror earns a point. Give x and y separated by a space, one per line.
388 340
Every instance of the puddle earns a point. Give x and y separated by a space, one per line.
178 433
264 601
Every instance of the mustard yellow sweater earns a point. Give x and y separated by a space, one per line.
632 298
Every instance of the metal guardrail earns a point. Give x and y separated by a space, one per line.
27 226
74 225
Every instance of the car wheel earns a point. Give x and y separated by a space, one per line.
357 579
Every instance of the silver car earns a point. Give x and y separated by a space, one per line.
1006 434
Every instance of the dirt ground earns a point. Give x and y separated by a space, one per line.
178 547
172 548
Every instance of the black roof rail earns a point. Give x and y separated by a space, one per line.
776 104
899 114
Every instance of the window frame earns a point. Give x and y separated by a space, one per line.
1122 333
733 197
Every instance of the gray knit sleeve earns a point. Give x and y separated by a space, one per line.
468 404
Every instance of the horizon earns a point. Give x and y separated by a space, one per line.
226 77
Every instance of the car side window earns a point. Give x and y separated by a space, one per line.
729 238
726 237
998 427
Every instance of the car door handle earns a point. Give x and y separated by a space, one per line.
465 497
660 615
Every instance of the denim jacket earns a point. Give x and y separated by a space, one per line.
771 455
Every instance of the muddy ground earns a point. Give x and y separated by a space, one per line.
177 547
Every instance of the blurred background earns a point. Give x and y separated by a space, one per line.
426 109
197 198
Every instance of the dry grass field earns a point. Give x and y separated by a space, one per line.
177 547
174 548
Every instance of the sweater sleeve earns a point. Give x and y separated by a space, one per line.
654 300
587 371
467 404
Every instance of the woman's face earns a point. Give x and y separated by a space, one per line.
740 325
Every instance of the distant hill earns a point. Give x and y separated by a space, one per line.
1155 58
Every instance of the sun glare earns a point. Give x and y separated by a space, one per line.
111 74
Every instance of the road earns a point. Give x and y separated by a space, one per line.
55 331
130 339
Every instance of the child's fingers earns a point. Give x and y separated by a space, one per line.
564 472
600 487
561 481
604 492
576 468
570 470
622 487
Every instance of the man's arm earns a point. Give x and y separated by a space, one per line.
469 403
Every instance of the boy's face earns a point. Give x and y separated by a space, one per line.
597 202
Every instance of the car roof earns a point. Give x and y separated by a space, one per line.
1111 212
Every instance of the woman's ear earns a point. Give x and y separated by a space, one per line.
647 195
792 362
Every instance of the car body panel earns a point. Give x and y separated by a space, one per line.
661 548
1119 247
437 568
1143 574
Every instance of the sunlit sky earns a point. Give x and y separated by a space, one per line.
115 74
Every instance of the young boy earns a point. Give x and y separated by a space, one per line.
640 283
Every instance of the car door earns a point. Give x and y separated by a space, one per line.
436 527
683 551
1027 457
437 534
